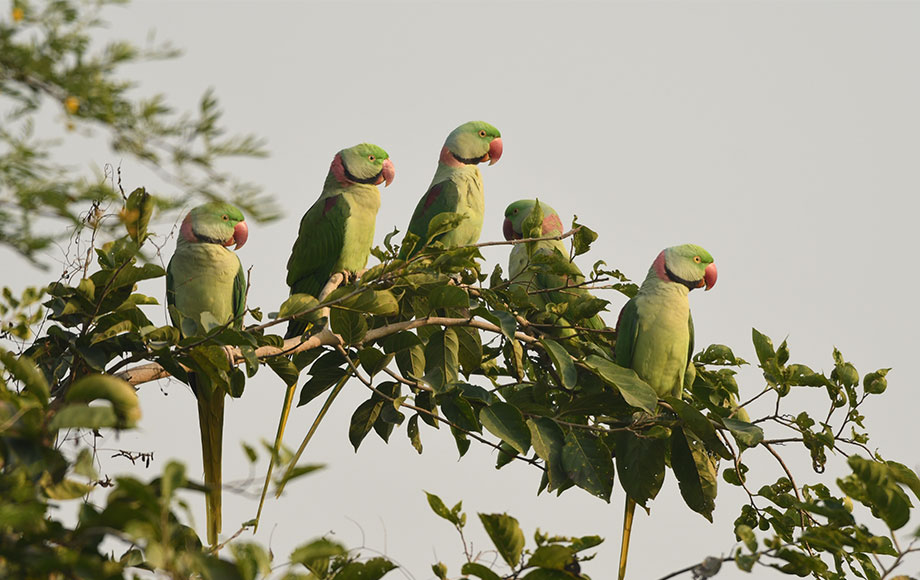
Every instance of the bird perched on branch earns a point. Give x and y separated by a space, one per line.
543 268
457 186
206 286
655 332
337 232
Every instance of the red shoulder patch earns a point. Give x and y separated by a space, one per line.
432 195
330 203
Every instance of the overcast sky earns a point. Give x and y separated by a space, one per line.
782 137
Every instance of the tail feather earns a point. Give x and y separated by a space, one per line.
276 448
211 426
627 530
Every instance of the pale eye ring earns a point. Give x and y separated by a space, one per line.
697 259
482 133
225 218
371 158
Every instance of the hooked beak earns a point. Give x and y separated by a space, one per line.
387 174
508 230
710 276
495 151
240 235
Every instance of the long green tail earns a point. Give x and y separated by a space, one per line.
303 445
211 425
276 448
627 530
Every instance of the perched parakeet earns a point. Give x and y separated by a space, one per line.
655 331
534 279
204 276
337 232
457 184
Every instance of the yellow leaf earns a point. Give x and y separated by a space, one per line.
18 14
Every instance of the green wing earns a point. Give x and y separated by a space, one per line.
440 197
316 251
239 296
318 246
627 334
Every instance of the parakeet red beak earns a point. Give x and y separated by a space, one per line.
240 235
495 151
710 276
388 173
508 230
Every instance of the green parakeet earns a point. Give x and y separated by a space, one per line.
655 332
536 278
457 185
204 276
337 232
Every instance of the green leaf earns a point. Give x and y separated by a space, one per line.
458 411
506 534
745 433
64 489
124 412
448 296
470 352
875 486
583 238
443 223
437 506
634 390
547 440
442 359
640 465
400 341
284 368
506 422
504 320
695 474
552 556
325 372
700 425
479 571
763 346
362 420
562 361
313 555
588 463
373 569
297 304
348 324
412 432
903 475
24 370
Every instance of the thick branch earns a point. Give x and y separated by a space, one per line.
153 371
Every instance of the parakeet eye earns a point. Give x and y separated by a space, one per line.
371 158
482 132
225 218
515 212
697 259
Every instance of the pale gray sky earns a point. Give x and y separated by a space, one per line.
781 136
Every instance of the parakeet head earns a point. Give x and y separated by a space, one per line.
473 143
517 212
215 222
687 264
364 163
